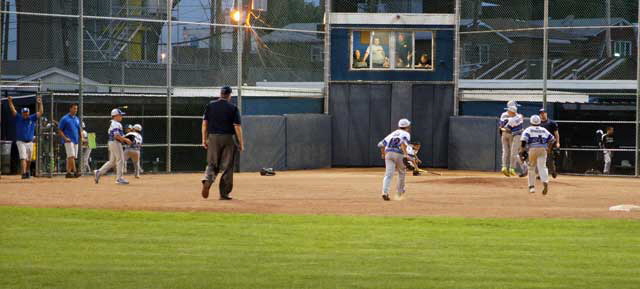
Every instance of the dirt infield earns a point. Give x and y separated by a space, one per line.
339 192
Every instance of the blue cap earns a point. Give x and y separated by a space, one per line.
24 109
542 110
225 90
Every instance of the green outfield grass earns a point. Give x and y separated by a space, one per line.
76 248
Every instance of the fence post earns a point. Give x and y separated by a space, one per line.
637 170
327 53
169 90
456 60
239 49
545 53
80 79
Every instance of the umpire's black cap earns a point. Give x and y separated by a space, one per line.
226 90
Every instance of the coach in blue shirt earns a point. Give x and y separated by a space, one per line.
70 132
25 133
220 131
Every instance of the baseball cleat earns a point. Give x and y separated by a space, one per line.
122 182
532 189
512 172
386 197
546 188
522 175
554 175
505 171
225 198
206 185
96 176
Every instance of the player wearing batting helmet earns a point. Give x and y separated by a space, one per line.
393 149
116 153
539 141
132 151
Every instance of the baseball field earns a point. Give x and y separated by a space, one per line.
319 229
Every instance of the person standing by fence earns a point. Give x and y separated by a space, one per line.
25 133
70 132
221 129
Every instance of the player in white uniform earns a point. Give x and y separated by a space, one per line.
116 154
393 149
511 129
506 138
133 150
86 151
539 141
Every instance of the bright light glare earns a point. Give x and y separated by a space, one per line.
235 16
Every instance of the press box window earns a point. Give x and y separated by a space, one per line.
391 50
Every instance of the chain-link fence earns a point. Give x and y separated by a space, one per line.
159 60
580 63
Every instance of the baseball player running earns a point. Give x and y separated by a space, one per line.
511 130
539 141
133 150
393 149
116 154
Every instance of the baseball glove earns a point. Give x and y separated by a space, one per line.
267 172
555 153
524 156
132 138
408 164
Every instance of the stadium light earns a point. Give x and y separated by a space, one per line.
236 16
617 54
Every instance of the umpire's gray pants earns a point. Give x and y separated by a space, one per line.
116 159
221 158
393 162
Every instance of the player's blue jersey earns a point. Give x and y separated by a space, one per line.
115 129
537 137
393 142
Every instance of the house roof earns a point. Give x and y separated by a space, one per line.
467 23
293 36
570 21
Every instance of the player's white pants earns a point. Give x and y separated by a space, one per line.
515 159
608 155
86 154
116 158
538 158
506 139
134 155
393 162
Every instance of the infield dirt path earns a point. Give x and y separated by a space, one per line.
337 192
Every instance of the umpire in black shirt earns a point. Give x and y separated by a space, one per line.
221 137
552 127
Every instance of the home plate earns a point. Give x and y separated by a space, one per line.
625 208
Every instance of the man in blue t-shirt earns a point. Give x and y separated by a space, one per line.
25 133
70 132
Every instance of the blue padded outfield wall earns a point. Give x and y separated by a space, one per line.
363 114
292 141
